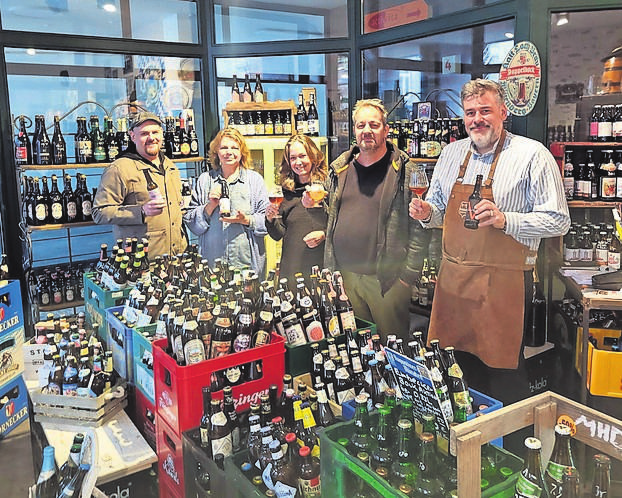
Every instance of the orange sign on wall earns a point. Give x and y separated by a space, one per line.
409 12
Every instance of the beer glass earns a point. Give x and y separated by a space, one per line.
275 196
316 192
418 183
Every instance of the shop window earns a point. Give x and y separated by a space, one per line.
66 84
383 14
434 68
285 77
162 20
274 21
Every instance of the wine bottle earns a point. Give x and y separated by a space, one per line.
302 125
23 150
97 139
235 90
247 93
59 147
41 145
47 482
313 122
258 94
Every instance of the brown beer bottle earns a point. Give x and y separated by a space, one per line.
220 431
470 221
602 477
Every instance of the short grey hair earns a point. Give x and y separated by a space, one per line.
477 87
375 103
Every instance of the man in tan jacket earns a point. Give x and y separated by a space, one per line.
124 201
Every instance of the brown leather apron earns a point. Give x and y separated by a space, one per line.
479 299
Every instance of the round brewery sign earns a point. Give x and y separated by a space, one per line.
520 77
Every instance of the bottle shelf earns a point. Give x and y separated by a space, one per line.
58 226
591 204
48 167
589 144
61 306
423 160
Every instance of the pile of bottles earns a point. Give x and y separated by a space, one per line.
95 145
603 319
560 133
425 138
307 118
280 436
74 360
42 206
258 123
69 478
180 137
591 243
57 285
560 478
606 123
593 179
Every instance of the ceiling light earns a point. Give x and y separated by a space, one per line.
509 35
110 7
31 51
562 19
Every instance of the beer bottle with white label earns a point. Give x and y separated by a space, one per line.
569 177
219 430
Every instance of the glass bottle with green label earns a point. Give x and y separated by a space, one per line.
561 457
530 483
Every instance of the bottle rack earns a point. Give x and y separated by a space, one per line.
277 105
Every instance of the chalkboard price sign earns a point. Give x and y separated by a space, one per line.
415 382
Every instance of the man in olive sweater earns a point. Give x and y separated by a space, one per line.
370 238
122 197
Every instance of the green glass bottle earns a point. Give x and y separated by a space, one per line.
403 470
561 457
381 455
427 483
361 439
530 483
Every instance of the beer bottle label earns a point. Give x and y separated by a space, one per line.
265 475
455 371
194 351
347 320
21 152
310 488
160 331
57 211
44 298
287 128
58 297
262 337
41 212
345 396
223 445
613 260
220 348
86 208
333 326
315 332
204 436
242 342
233 374
295 335
555 471
72 210
527 489
54 388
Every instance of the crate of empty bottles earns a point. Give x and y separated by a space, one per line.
393 460
178 389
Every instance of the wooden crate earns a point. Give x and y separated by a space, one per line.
71 410
543 411
277 105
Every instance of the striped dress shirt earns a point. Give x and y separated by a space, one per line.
527 187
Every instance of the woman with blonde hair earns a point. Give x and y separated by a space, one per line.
238 236
301 228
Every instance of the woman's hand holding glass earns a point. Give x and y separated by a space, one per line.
314 195
275 196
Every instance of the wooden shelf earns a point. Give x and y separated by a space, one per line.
588 144
61 306
592 204
423 160
50 167
58 226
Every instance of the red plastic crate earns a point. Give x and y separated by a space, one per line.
170 459
144 417
177 386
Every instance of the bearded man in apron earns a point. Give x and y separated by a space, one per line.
485 277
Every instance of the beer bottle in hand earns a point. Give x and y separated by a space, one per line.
470 221
152 187
224 203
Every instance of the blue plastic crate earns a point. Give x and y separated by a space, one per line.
119 340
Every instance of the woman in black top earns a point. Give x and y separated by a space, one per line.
302 229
